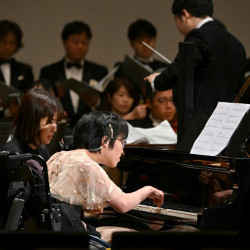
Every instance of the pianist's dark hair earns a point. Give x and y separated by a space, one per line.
92 126
35 105
75 27
198 8
140 29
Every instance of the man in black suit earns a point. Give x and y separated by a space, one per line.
161 107
12 72
219 58
76 38
144 31
140 31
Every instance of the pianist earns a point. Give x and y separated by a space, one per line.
76 176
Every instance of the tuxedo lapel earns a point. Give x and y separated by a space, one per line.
61 75
1 76
86 72
66 100
14 74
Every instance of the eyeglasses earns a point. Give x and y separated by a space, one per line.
122 141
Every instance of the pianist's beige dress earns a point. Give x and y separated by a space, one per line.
76 179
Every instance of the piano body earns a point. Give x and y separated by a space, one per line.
188 200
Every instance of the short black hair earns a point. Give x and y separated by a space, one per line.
198 8
141 28
7 26
92 126
75 27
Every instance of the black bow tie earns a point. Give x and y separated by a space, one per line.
4 61
70 65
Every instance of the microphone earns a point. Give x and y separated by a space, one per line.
95 149
111 134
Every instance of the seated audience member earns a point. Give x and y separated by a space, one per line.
76 37
46 85
12 72
76 176
121 97
34 124
161 107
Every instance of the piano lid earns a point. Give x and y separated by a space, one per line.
221 164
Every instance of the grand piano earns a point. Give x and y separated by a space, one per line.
188 200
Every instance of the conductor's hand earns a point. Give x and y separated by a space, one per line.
151 77
157 196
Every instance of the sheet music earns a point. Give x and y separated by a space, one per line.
219 128
102 84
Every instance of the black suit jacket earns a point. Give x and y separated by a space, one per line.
142 123
220 61
56 73
21 76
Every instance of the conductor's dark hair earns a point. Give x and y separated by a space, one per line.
140 29
75 27
35 105
7 26
198 8
92 126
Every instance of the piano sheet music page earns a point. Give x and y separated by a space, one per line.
219 128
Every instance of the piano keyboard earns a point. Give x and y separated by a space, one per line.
177 211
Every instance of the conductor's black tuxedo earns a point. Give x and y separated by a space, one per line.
56 73
21 75
220 61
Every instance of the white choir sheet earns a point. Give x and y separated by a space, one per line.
219 128
161 134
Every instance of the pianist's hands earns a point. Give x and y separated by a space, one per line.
157 196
